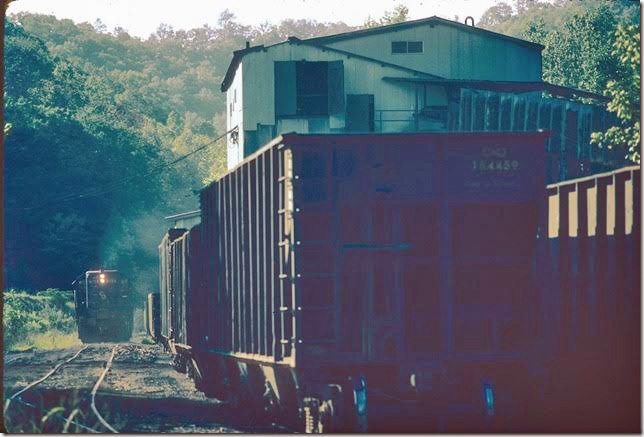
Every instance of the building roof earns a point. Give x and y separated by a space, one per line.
322 40
239 54
505 86
423 21
234 63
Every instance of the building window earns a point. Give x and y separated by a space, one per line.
308 89
399 47
406 47
312 88
414 46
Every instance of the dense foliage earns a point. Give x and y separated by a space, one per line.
26 316
624 91
513 17
70 157
397 15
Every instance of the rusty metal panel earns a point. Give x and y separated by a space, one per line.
596 296
492 114
236 268
163 285
597 267
518 123
466 111
166 284
478 112
256 256
396 218
245 290
246 208
506 113
252 259
275 221
334 248
570 123
532 115
196 297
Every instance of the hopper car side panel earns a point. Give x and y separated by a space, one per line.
591 266
336 257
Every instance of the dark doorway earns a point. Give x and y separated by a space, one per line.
360 113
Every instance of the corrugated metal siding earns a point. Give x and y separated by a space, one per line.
360 77
183 291
452 53
254 304
214 322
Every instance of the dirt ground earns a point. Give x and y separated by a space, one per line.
141 393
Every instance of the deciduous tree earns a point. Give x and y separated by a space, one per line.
624 92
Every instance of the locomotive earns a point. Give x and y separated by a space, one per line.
102 300
332 286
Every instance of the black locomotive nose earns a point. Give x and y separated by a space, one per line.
103 311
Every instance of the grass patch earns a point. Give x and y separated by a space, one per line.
50 340
43 320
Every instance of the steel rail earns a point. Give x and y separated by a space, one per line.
108 365
68 420
51 372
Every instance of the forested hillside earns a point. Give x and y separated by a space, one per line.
95 118
171 78
578 36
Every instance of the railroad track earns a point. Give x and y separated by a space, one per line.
70 419
133 388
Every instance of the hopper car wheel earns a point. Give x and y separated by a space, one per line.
311 415
328 417
320 416
350 412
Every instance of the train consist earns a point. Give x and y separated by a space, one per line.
368 282
103 306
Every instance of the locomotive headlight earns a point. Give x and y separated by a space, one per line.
101 278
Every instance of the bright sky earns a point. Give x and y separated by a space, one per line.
142 17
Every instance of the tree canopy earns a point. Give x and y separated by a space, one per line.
398 14
624 91
93 120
